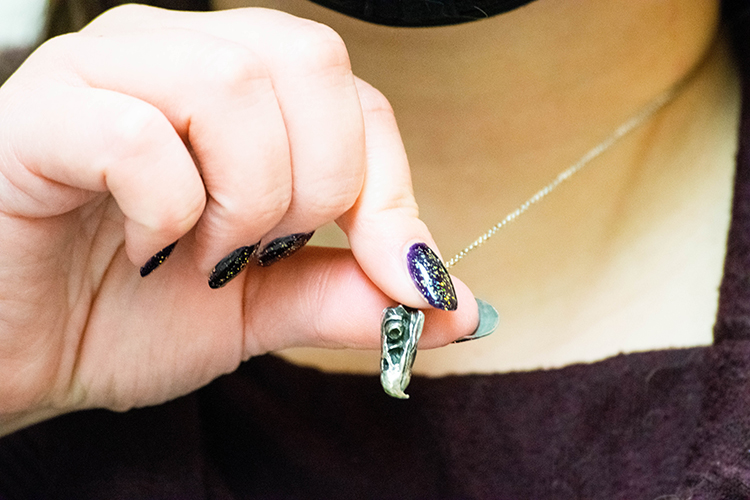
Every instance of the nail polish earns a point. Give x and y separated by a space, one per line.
157 260
431 278
281 248
230 266
488 321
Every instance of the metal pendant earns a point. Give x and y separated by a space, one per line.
400 330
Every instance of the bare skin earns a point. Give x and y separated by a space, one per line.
626 257
219 130
152 126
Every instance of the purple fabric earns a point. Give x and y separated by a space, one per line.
619 429
671 424
733 322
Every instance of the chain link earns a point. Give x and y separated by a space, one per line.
631 124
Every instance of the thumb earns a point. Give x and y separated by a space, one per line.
322 298
393 247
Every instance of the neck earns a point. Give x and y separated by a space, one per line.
523 81
526 82
491 111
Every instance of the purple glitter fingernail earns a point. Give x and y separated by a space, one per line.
431 277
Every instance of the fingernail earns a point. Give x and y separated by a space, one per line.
281 248
488 321
230 266
157 260
431 277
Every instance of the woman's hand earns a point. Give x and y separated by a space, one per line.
220 130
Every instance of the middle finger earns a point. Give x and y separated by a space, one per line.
312 79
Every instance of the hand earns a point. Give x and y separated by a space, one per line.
220 130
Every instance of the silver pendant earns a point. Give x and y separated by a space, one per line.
400 330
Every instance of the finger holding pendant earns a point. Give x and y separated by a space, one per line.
401 328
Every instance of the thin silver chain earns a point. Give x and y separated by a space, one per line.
631 124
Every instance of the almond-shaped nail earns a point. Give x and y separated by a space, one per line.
431 277
281 248
488 321
157 260
230 266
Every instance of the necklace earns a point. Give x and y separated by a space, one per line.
401 326
631 124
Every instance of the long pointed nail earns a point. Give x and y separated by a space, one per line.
281 248
488 321
157 260
431 277
230 266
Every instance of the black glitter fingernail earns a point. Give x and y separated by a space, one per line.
230 266
281 248
431 277
157 260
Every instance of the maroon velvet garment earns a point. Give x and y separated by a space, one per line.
672 424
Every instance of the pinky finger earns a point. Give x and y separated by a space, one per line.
72 141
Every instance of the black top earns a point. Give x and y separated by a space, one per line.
672 424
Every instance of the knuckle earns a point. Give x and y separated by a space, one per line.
267 208
175 219
315 295
57 48
133 130
117 15
328 200
373 101
318 48
231 69
138 135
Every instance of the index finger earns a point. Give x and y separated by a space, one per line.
393 247
391 243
